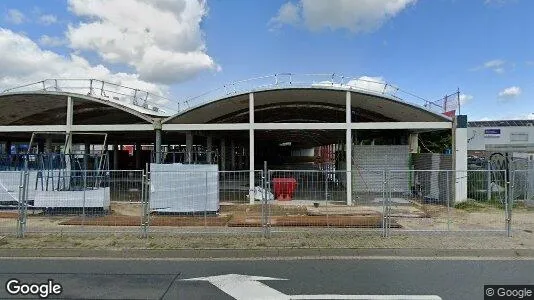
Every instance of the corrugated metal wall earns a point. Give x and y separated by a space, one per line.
434 186
368 159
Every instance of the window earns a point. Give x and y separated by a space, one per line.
519 137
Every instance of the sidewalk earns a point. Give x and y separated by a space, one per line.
280 245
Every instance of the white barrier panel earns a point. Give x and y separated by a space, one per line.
183 188
43 191
97 198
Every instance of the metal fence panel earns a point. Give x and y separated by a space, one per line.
84 201
399 201
313 200
428 201
10 200
204 201
522 201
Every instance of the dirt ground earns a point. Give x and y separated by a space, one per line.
126 216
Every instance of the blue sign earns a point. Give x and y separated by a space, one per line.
492 131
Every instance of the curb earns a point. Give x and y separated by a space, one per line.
264 253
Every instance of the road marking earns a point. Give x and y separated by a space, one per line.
242 287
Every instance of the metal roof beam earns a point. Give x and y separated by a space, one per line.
309 126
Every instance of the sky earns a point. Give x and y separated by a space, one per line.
183 48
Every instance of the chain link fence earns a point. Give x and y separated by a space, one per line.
380 202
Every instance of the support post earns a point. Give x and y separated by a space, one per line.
157 146
348 146
40 146
86 153
251 146
460 157
48 145
68 145
115 156
137 156
232 154
8 147
223 154
413 142
209 149
189 147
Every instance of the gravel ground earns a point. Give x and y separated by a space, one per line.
243 240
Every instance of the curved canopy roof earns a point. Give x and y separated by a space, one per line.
50 108
306 104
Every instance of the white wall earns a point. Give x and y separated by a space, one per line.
477 139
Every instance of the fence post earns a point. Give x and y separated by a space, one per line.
20 219
509 202
23 197
206 203
488 180
143 206
83 200
326 195
448 174
385 189
506 202
265 203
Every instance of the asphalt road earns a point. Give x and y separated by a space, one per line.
164 279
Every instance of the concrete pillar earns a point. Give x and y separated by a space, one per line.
157 146
115 157
70 117
232 155
460 157
86 152
223 154
251 146
189 147
137 154
209 148
48 145
413 142
348 146
8 147
40 146
239 151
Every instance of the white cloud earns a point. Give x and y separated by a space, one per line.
529 116
28 63
510 92
464 99
14 16
496 65
47 19
354 15
288 13
51 41
375 84
498 2
162 40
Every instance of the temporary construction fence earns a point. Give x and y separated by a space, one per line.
267 201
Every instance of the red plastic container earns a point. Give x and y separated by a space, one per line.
284 188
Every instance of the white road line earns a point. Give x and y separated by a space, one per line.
367 297
243 287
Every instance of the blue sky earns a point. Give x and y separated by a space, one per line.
428 47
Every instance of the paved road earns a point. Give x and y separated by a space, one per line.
163 279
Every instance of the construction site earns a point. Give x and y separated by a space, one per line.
281 151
